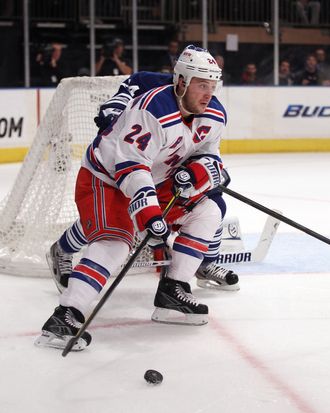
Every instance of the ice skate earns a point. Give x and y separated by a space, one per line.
61 327
60 265
215 276
175 304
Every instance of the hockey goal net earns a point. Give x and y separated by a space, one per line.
41 204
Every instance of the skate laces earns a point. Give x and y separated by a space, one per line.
65 261
214 270
71 320
184 296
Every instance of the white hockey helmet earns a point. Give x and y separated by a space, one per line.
196 62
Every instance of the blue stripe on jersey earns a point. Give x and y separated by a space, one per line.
175 122
92 273
136 85
123 165
162 103
95 164
73 239
188 251
209 116
215 104
125 168
90 160
143 98
78 234
95 266
189 236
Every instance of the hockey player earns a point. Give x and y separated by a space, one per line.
126 180
210 274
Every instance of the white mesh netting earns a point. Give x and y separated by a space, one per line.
41 204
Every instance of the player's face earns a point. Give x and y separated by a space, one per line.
198 95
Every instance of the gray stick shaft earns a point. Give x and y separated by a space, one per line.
274 214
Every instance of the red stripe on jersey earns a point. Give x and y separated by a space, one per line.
149 98
98 203
90 272
191 243
167 118
130 169
215 112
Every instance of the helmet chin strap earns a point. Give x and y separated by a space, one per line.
179 99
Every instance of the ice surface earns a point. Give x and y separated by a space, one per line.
266 348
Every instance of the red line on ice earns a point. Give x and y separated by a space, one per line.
261 367
112 324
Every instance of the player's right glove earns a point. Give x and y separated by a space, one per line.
146 214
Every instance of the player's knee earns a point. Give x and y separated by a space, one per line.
209 212
220 202
108 253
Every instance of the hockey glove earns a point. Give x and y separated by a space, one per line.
105 119
146 214
198 177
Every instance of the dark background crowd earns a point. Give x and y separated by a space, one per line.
59 39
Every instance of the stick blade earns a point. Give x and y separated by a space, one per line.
266 238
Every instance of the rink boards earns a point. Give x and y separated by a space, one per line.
260 119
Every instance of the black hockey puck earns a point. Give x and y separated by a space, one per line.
153 377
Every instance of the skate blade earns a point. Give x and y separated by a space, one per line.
215 286
50 263
166 316
48 339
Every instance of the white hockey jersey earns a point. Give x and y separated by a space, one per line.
151 136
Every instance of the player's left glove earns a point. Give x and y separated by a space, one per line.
198 177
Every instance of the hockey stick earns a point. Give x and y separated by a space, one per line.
230 254
116 281
257 254
274 214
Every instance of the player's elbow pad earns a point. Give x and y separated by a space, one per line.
134 181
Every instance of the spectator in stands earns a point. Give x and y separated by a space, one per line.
50 66
169 59
308 11
320 57
249 75
111 61
310 75
285 75
226 79
323 66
